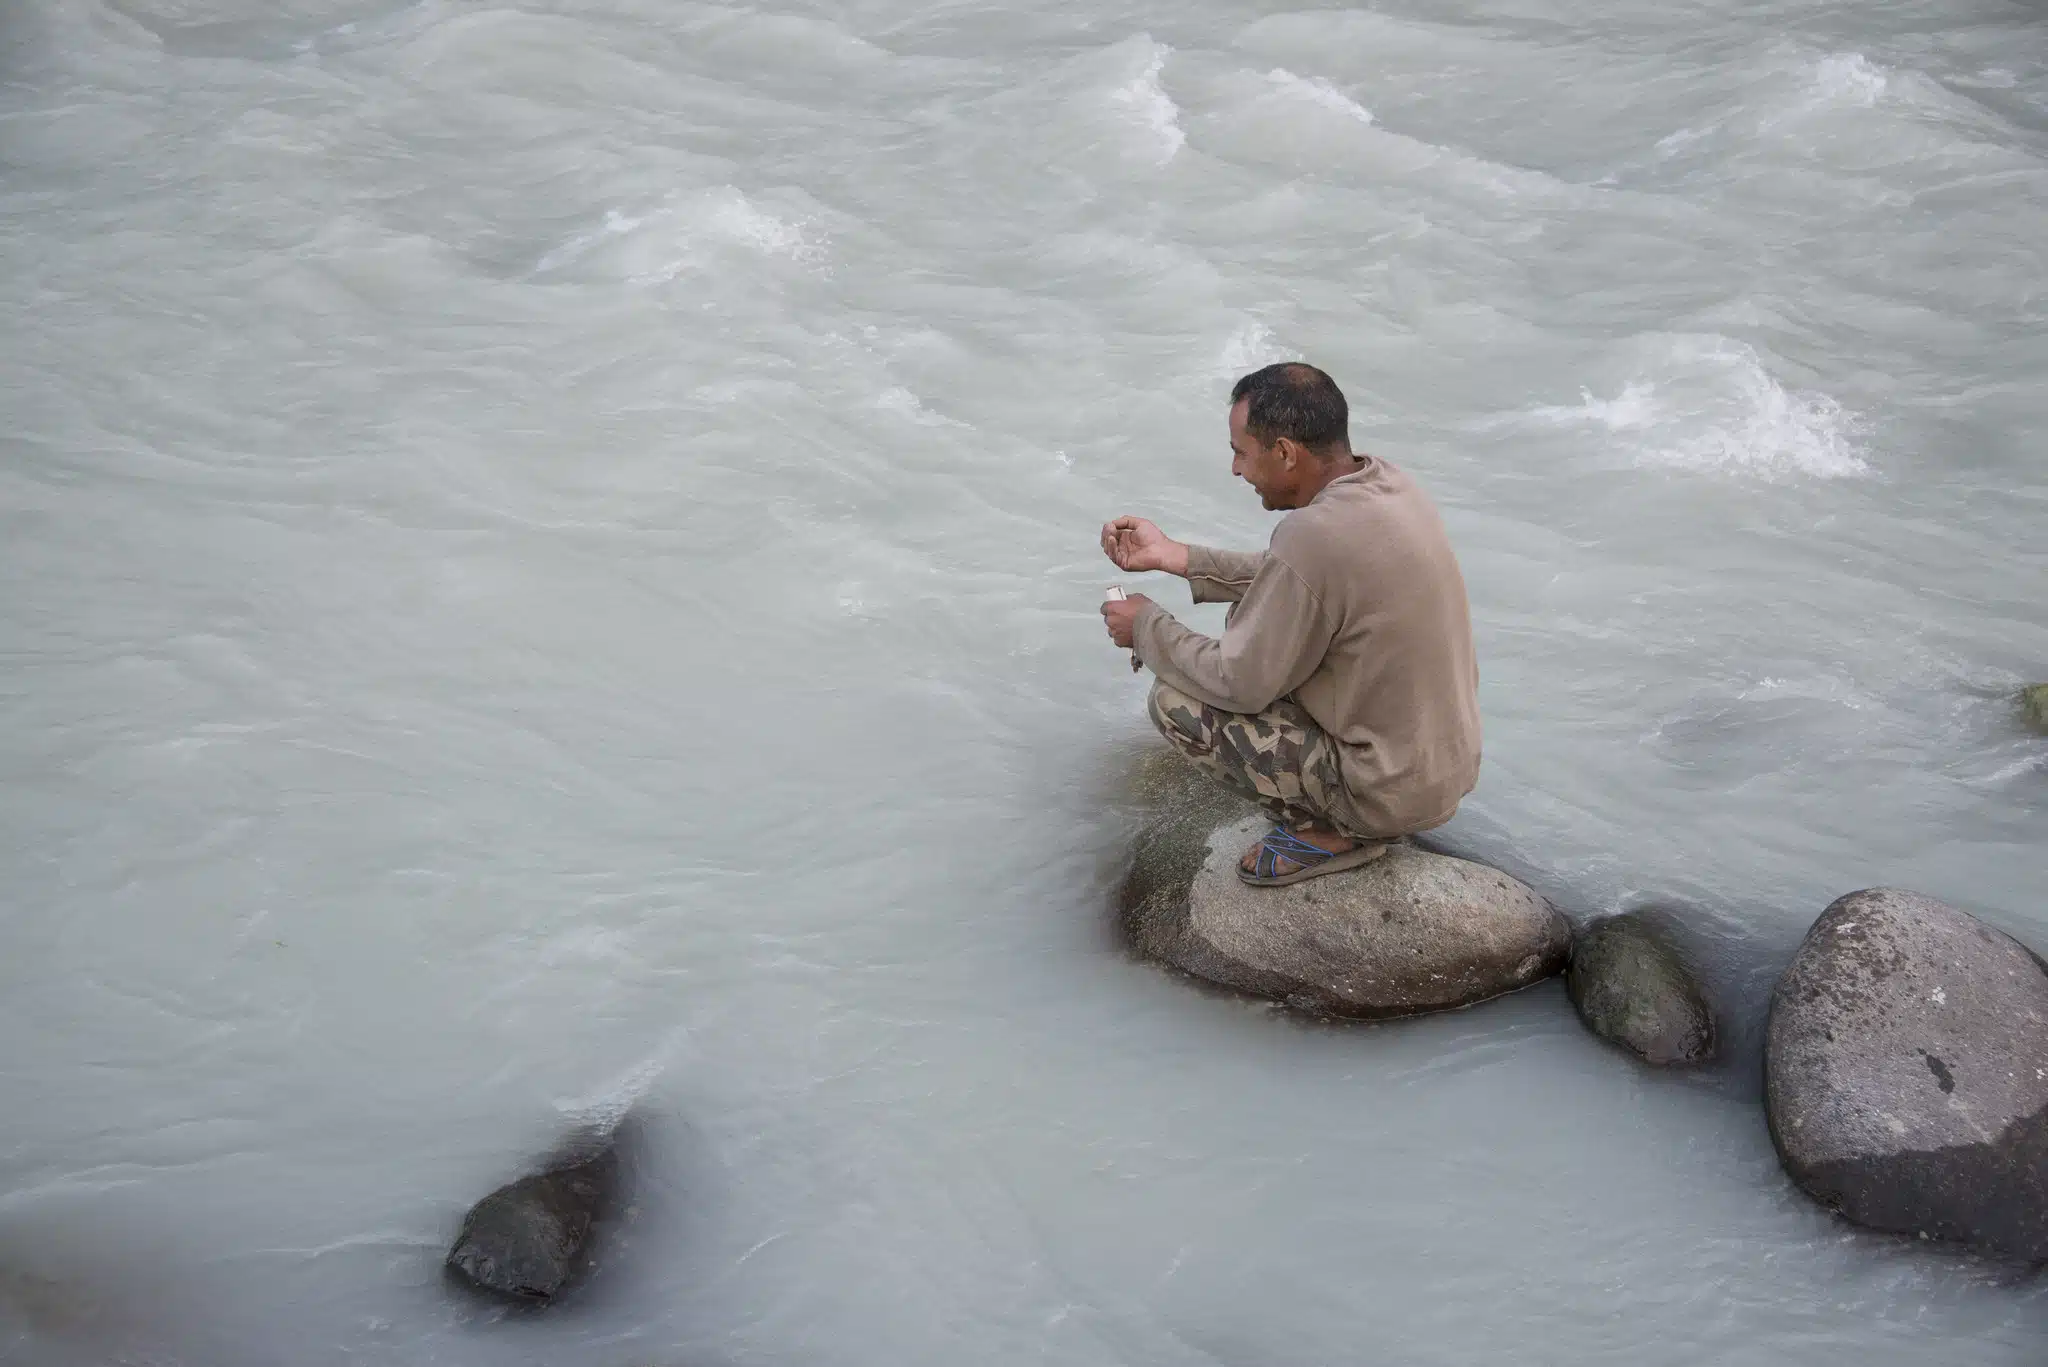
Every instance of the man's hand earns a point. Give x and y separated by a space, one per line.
1120 615
1135 544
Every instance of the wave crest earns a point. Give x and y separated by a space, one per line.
1154 109
1316 90
1713 405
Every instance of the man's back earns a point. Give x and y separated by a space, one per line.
1397 686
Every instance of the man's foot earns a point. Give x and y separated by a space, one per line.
1288 854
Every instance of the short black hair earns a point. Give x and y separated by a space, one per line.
1294 400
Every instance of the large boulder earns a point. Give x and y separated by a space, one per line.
527 1241
1906 1073
1631 986
1408 933
2034 704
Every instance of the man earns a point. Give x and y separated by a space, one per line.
1343 696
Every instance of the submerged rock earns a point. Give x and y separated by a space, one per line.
2034 704
1408 933
1630 986
1906 1073
527 1241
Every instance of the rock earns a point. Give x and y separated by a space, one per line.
1410 932
2034 704
1906 1073
1630 986
1183 807
526 1241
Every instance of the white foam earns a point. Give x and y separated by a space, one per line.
738 220
1815 689
900 400
1251 346
1841 81
2025 764
1848 78
615 224
605 1106
1773 432
850 597
1319 91
1673 143
1633 408
662 242
1712 405
1146 98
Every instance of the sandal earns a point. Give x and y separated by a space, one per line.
1313 860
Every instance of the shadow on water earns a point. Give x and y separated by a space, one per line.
76 1293
340 28
71 1300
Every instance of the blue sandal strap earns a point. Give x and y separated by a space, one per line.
1281 843
1287 842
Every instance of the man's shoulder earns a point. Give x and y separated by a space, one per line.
1357 517
1310 538
1343 503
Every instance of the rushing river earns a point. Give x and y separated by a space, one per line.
547 562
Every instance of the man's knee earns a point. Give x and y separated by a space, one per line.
1178 716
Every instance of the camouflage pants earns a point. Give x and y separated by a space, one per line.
1279 758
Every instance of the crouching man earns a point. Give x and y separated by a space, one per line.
1343 695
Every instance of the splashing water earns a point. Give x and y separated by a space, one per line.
1319 91
1149 104
1716 408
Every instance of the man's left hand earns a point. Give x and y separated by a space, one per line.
1121 617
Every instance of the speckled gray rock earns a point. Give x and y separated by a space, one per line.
2034 705
1183 807
1906 1073
1408 933
1632 987
527 1241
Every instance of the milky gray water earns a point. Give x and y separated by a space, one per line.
547 563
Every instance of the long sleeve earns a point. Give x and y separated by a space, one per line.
1221 576
1277 636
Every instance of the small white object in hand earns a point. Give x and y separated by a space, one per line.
1113 594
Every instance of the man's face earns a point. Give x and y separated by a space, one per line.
1259 465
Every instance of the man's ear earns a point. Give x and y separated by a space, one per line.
1289 451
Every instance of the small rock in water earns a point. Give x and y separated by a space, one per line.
1906 1073
2034 704
526 1241
1630 986
1408 933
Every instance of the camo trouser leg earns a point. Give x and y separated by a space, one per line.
1279 758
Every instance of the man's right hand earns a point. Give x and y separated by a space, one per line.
1134 544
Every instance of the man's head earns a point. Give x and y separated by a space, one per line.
1289 433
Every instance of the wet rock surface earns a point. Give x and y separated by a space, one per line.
1410 932
2034 705
1631 986
1906 1073
528 1241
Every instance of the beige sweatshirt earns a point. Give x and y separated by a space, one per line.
1358 611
